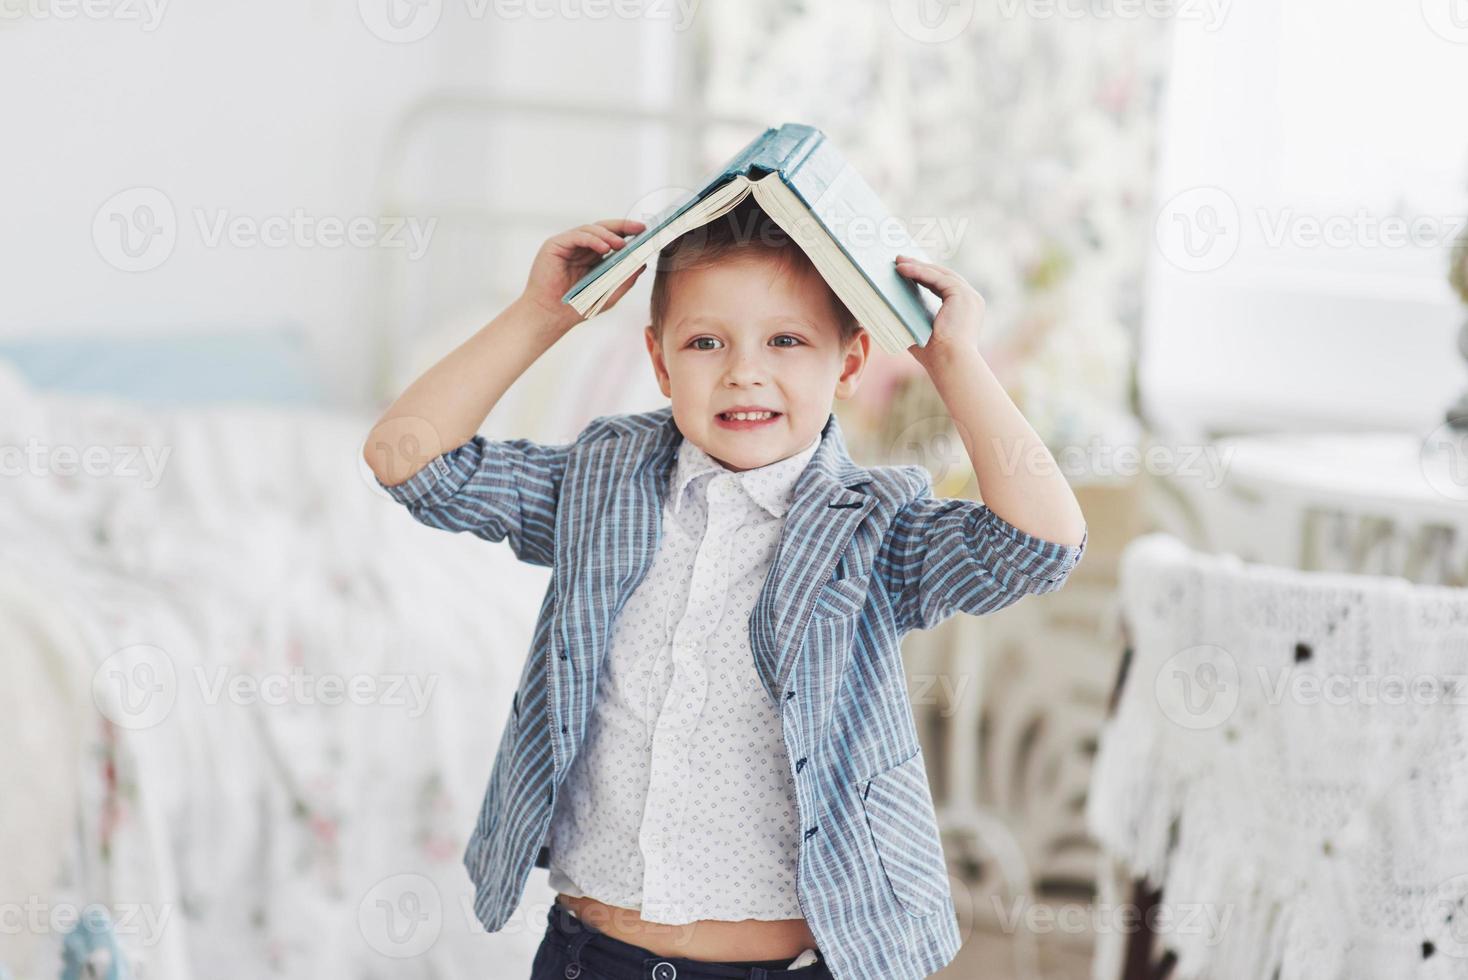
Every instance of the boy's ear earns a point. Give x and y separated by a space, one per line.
659 368
853 362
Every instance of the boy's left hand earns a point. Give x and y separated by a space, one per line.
957 324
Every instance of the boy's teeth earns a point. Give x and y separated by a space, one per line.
748 416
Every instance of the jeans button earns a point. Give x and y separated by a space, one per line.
573 971
664 971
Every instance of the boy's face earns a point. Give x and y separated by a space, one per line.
741 332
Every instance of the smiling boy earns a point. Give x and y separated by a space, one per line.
711 747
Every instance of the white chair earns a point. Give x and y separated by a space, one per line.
1288 761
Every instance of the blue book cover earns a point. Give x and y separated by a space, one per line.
868 236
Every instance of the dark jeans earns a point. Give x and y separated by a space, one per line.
572 949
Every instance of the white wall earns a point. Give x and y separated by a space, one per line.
251 109
1290 117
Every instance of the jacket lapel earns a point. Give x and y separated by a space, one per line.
631 481
826 511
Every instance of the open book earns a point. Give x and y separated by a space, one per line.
802 181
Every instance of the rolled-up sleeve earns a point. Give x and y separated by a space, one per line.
947 555
498 490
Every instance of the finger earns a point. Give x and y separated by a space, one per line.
605 234
941 279
945 284
567 242
624 226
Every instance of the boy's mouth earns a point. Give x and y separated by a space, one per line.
746 420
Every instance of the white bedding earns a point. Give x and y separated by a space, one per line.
245 835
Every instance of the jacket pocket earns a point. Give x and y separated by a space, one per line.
904 830
841 597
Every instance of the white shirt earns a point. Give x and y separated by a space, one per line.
680 802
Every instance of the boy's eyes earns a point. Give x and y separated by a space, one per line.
784 336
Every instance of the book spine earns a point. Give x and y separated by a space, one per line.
802 150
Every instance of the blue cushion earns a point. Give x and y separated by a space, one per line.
204 365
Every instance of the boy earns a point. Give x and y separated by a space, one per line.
711 747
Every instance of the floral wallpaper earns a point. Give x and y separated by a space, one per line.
1028 128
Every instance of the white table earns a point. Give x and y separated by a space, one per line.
1372 503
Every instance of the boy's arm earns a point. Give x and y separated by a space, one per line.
943 555
947 555
493 489
424 449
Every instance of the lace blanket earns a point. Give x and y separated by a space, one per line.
1288 760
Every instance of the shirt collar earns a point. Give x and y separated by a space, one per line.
772 486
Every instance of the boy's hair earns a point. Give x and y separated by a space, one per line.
746 230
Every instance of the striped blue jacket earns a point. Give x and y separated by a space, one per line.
865 555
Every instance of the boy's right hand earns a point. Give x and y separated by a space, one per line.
565 258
